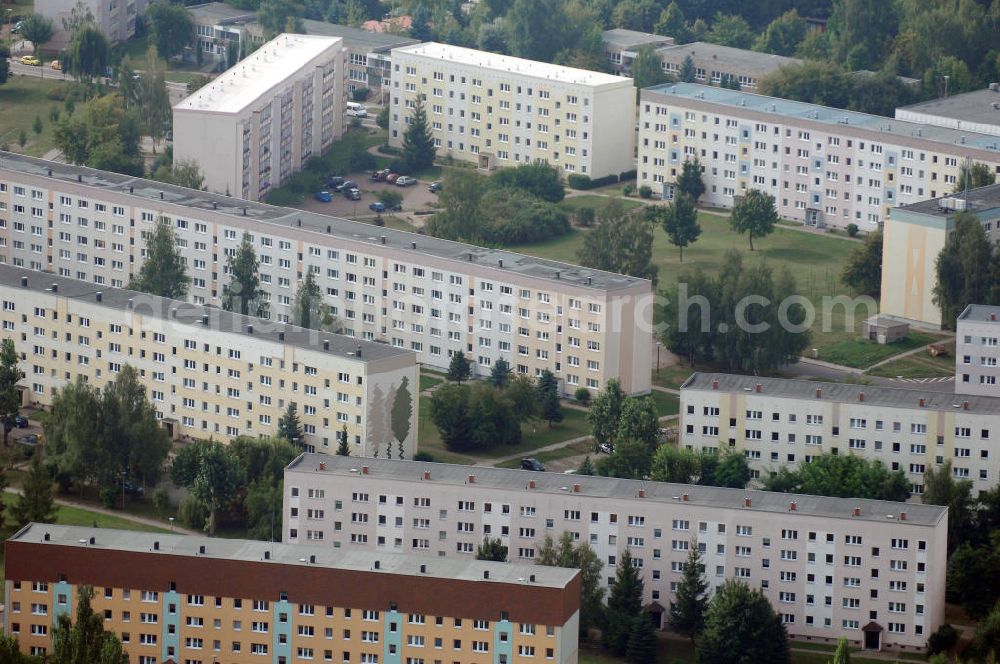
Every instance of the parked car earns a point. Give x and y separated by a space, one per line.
405 181
379 176
435 186
132 489
357 112
55 64
323 196
30 60
377 207
345 185
530 463
17 27
353 194
391 177
333 181
21 422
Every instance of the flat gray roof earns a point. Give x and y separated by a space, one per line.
981 313
356 38
462 569
612 487
154 192
984 198
874 395
630 39
889 127
727 56
187 313
220 12
976 106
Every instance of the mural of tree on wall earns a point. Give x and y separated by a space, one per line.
386 417
402 410
377 431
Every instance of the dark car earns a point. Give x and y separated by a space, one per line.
132 489
333 181
21 422
30 442
435 186
345 185
377 207
532 464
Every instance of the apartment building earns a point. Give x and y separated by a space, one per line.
496 110
915 234
824 166
176 598
621 46
713 62
115 18
259 122
977 111
210 372
832 567
977 352
778 422
429 296
219 27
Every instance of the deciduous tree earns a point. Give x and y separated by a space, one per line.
492 549
629 460
88 53
974 176
10 396
578 555
171 26
211 473
85 639
679 220
754 215
741 626
959 268
605 413
690 180
164 271
38 30
647 68
672 463
863 270
783 35
621 242
941 488
730 30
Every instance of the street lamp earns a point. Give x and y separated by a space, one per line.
658 347
171 520
124 475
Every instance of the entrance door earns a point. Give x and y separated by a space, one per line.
873 639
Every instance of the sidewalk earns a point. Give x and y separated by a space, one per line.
125 516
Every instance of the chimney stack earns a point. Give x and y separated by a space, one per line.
531 484
922 402
792 506
576 488
427 474
747 502
861 396
364 470
472 479
758 388
902 516
715 384
486 575
965 405
856 512
819 393
642 493
322 465
685 498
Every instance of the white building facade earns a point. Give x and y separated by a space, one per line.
115 18
830 566
415 292
977 352
497 111
824 166
778 422
264 118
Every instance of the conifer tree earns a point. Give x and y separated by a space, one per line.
36 503
687 612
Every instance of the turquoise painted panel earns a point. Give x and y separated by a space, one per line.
282 631
170 620
505 648
61 590
393 639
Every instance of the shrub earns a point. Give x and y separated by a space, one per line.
646 191
585 216
582 395
161 501
356 122
628 189
852 230
626 175
943 640
423 456
389 149
360 94
193 513
577 181
109 496
283 197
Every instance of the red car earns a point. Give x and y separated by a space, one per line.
379 176
391 178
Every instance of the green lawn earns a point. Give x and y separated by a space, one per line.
919 365
675 651
676 374
75 516
666 403
21 99
862 353
535 435
574 203
428 381
573 449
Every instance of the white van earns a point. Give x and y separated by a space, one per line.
356 110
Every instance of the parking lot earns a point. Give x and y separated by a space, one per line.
415 197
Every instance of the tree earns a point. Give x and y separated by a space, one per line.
624 604
401 413
860 32
243 293
586 467
842 655
164 271
687 331
539 179
449 411
212 474
578 555
4 63
535 29
680 222
629 460
754 215
975 176
863 270
171 26
88 53
985 645
687 611
647 68
730 30
306 310
390 199
492 549
733 471
459 368
548 398
941 488
182 172
961 279
105 137
499 373
621 242
642 642
741 626
290 426
342 447
690 181
639 421
418 141
687 72
37 125
277 16
85 640
843 476
38 30
783 35
155 112
672 24
605 413
973 580
36 502
672 463
10 396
